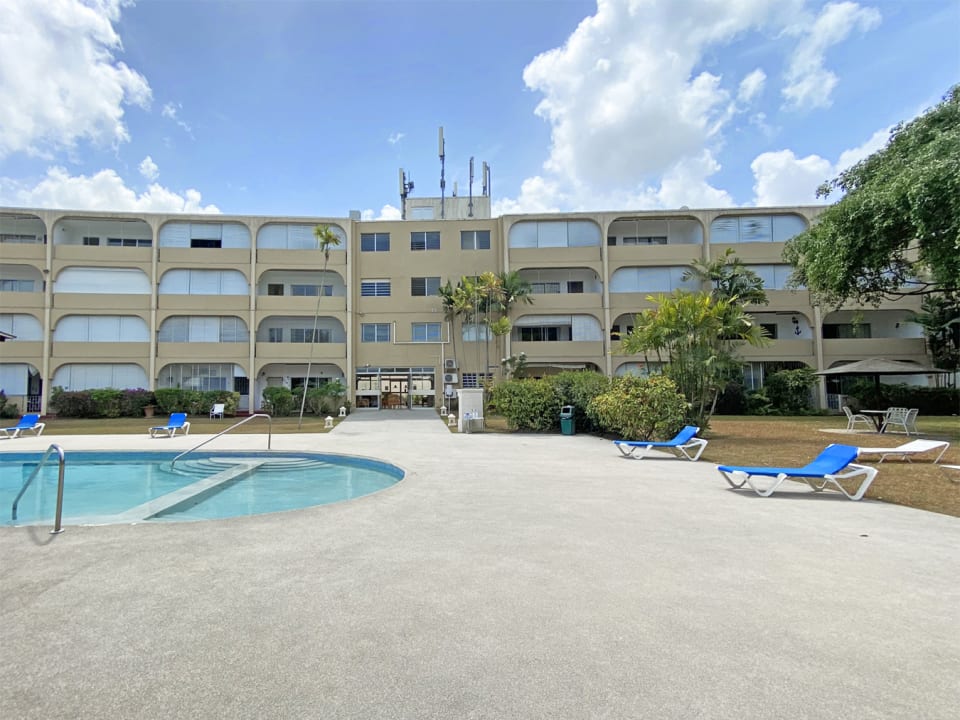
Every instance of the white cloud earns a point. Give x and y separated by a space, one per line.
394 138
630 109
809 83
171 112
781 178
59 80
104 190
751 86
149 169
387 212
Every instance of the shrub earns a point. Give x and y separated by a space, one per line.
8 409
527 404
280 400
928 400
106 402
132 402
640 408
77 404
578 388
789 390
169 400
732 401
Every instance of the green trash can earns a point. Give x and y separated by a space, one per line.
566 420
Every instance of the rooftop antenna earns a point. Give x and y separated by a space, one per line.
486 179
443 182
454 188
406 187
470 203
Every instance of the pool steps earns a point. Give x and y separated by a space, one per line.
167 502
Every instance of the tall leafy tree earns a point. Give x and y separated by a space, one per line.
326 238
896 230
696 336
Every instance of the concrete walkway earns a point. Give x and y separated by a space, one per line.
507 576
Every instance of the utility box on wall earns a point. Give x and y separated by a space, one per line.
471 409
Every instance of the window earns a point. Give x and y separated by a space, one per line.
617 332
275 289
375 332
205 243
375 242
303 335
474 380
474 239
575 286
311 290
20 239
425 241
16 285
127 242
425 332
374 288
611 240
545 288
423 286
91 241
543 334
845 331
770 329
203 329
275 335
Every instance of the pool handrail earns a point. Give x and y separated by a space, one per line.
224 432
57 528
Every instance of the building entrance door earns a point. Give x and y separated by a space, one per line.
394 391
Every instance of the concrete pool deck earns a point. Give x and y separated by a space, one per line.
507 576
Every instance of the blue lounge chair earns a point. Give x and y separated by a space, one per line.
27 422
684 441
824 470
177 421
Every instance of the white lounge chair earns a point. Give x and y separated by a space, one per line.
685 440
177 421
853 418
217 410
907 449
824 470
29 423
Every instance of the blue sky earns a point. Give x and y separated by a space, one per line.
310 108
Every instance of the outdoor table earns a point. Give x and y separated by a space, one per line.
877 416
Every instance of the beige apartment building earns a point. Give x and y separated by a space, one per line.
124 300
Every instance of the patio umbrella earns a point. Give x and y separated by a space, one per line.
876 367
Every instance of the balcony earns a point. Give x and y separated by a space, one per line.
859 348
36 252
304 259
98 301
631 255
300 352
548 302
198 303
238 352
84 351
25 350
286 304
553 257
783 301
755 252
238 258
21 300
66 255
787 349
568 351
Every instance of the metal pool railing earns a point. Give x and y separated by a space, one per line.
62 461
224 432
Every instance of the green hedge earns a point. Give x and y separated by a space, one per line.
928 400
100 402
637 408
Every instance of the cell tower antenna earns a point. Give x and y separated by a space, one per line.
406 187
470 203
443 182
486 179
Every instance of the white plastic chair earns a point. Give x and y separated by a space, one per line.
217 410
901 417
854 418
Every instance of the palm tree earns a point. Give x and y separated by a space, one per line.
513 291
326 239
729 278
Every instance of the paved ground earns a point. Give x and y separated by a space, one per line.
506 577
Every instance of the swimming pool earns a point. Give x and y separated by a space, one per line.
123 487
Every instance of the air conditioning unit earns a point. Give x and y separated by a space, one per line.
449 364
450 378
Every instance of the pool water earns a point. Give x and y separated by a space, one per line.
105 488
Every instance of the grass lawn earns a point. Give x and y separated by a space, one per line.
794 441
200 425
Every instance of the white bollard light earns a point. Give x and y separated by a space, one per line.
451 420
343 411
